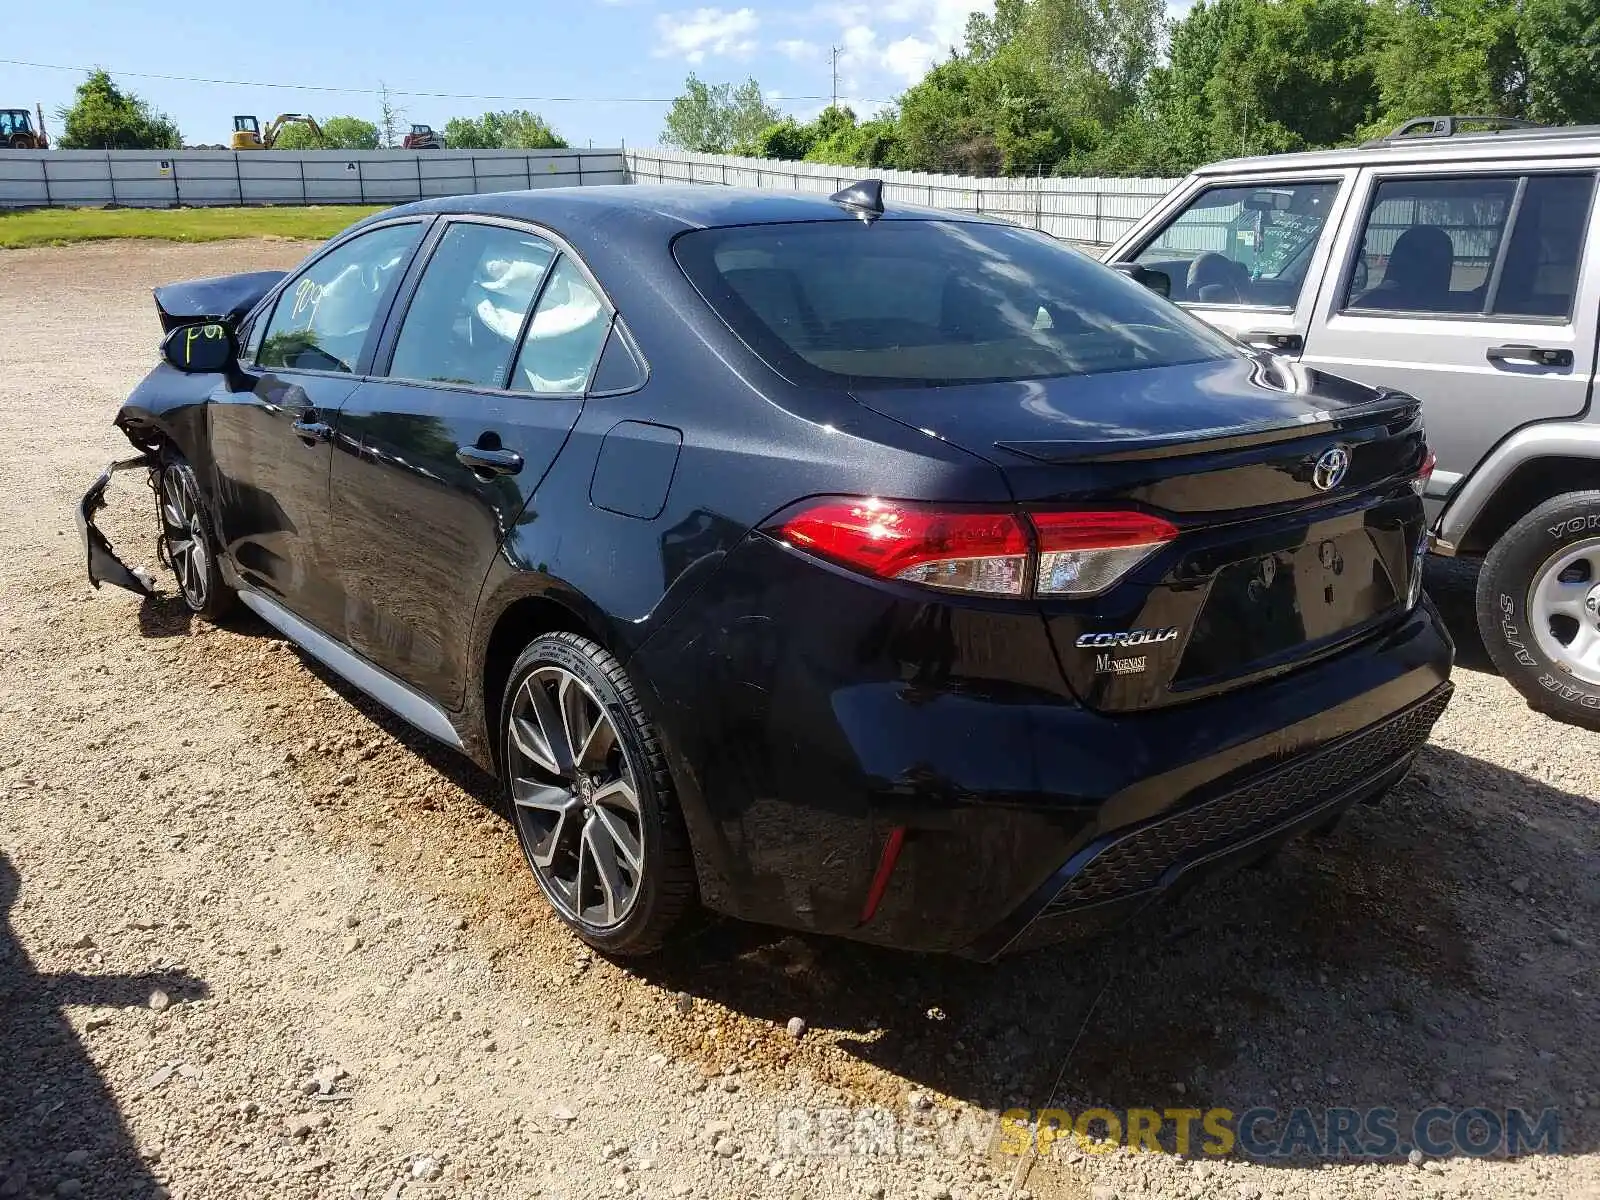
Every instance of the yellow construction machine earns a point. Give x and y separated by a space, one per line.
248 134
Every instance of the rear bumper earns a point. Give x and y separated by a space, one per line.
803 747
1114 877
100 558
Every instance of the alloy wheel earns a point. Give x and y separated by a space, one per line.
576 799
1564 609
185 534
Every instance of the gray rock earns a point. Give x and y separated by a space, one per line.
797 1027
919 1102
69 1187
726 1147
563 1114
160 1001
1415 1158
1519 885
684 1003
352 944
425 1169
84 942
1433 1167
1561 937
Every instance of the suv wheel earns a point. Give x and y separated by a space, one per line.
592 800
1539 607
190 546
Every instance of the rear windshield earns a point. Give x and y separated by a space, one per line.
903 302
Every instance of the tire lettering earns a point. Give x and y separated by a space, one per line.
1574 525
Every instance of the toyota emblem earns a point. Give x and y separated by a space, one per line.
1330 469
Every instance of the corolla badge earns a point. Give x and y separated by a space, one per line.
1330 469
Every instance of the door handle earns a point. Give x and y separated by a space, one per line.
489 462
1542 356
311 431
1274 339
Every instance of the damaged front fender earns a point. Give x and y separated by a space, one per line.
104 565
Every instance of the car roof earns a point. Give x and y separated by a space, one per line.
1465 148
688 206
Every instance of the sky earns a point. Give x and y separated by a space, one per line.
600 71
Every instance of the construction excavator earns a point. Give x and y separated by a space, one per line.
17 131
248 134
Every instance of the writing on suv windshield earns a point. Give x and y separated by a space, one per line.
901 302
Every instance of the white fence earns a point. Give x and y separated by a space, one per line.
168 178
1096 211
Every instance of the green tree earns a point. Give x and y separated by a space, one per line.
516 129
1448 56
718 118
1561 42
104 117
338 133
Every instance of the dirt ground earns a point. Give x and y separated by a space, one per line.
259 939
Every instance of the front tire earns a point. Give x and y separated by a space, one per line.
188 543
1539 607
592 800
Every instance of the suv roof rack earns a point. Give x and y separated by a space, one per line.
1451 126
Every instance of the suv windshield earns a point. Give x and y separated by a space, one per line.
910 302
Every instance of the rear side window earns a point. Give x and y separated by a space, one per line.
565 336
906 303
1442 247
467 313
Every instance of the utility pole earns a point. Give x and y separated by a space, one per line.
835 51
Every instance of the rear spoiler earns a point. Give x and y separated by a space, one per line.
1390 407
225 298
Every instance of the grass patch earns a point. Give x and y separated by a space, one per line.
63 226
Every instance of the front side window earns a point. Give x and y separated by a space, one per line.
908 303
1249 245
467 313
565 336
322 318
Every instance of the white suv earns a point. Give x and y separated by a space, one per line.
1457 259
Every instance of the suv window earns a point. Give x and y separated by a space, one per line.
564 338
1439 247
903 303
1540 274
1248 245
322 318
467 312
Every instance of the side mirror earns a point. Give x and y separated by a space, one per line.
1158 282
200 349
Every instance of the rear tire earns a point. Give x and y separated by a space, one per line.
1539 607
188 542
592 800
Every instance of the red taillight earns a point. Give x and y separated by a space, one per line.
985 552
1084 553
920 543
1425 472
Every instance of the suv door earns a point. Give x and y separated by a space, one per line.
271 426
1477 291
485 376
1247 254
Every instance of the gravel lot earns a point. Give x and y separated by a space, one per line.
257 939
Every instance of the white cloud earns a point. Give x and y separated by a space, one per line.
713 31
798 49
910 58
907 37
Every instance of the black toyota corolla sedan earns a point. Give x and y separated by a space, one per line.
882 572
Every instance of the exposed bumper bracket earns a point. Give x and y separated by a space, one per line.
103 564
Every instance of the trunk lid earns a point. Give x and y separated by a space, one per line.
1270 570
